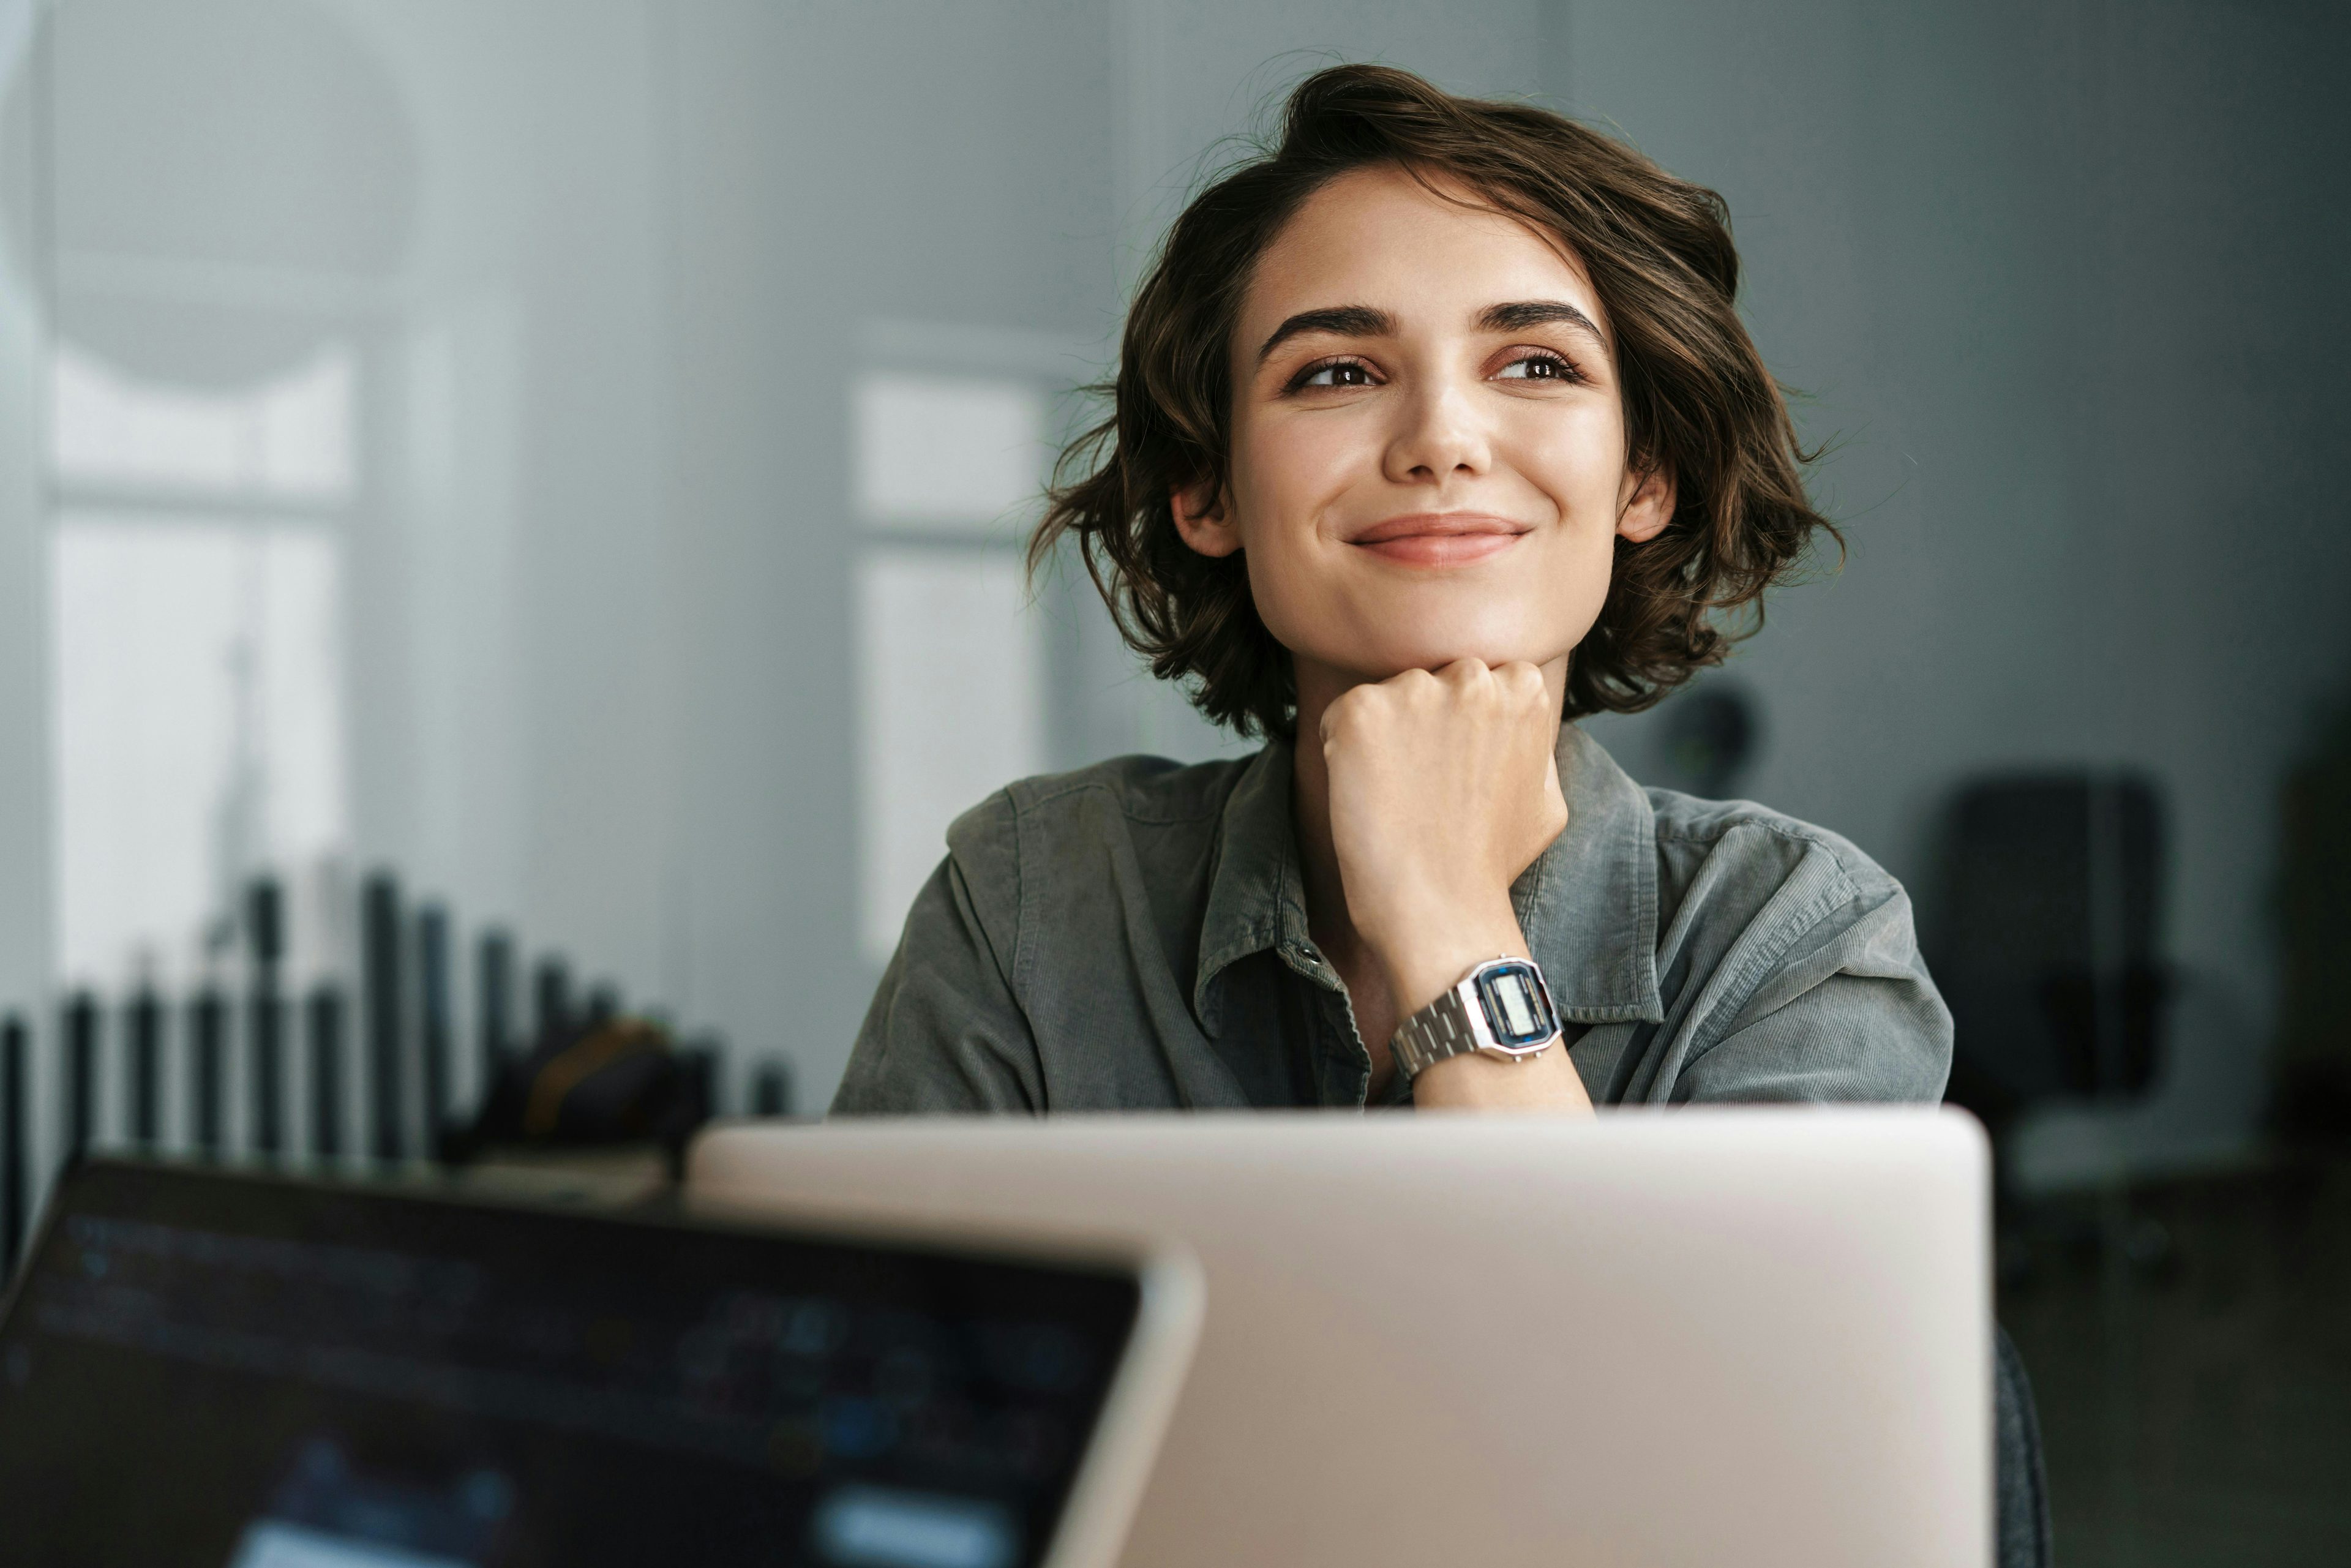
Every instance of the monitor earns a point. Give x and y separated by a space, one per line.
240 1371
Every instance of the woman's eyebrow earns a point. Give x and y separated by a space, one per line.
1346 320
1519 315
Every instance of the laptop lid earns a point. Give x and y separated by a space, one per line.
243 1371
1755 1335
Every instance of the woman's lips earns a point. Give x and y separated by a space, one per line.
1439 539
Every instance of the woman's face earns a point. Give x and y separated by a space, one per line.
1428 450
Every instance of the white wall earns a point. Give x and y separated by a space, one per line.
515 748
24 715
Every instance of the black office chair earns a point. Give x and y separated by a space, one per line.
2311 1103
2020 1533
2046 943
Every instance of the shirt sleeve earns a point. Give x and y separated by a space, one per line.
1847 1012
946 1033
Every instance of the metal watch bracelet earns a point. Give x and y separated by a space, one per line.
1449 1025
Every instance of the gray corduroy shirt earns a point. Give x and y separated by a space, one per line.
1132 938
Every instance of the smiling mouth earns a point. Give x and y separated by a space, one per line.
1440 540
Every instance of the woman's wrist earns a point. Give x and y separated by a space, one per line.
1427 956
1430 955
1546 1080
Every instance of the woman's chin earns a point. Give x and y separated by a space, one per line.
1434 652
1378 651
1435 655
1495 633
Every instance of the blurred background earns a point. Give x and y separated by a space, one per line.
572 456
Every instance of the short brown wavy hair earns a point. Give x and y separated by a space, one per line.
1698 403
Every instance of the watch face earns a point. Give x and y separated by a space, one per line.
1517 1011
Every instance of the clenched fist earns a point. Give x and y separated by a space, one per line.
1443 789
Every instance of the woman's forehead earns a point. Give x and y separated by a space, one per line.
1431 260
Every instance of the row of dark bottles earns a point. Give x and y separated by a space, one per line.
324 1023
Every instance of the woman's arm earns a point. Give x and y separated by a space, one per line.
1441 789
944 1033
1846 1012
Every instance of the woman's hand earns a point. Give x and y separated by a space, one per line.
1443 788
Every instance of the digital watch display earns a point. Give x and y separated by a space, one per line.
1511 994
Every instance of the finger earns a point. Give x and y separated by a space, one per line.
1413 685
1462 675
1523 683
1333 715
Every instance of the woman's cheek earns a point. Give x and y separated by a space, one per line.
1281 584
1590 560
1282 552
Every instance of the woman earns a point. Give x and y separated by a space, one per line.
1434 428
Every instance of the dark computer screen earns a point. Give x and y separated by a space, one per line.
239 1372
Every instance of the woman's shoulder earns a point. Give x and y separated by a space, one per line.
1114 795
1752 842
1790 958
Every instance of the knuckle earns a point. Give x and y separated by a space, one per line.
1412 691
1361 711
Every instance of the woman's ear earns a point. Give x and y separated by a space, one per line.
1643 514
1204 519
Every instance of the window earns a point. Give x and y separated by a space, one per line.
196 615
288 439
947 465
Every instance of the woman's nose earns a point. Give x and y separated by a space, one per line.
1438 435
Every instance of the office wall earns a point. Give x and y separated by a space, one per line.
24 717
512 746
945 166
2060 283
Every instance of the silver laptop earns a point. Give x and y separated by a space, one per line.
1749 1336
233 1371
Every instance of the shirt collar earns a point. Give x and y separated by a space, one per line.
1256 896
1588 904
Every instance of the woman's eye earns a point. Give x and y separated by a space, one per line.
1537 368
1344 373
